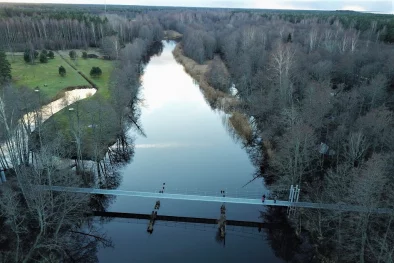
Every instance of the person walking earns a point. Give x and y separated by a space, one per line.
263 198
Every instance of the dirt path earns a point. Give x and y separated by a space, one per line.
79 72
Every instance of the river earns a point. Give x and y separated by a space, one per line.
186 147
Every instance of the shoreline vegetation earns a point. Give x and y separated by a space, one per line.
172 35
62 118
214 97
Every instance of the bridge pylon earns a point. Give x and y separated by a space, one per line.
294 196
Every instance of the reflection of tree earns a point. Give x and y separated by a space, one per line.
219 239
154 50
43 225
85 243
282 240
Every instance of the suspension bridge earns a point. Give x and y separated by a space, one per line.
227 198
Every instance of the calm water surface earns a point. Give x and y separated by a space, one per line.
187 147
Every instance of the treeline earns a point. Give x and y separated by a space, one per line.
322 97
115 112
37 225
20 33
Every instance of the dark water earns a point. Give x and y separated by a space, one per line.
187 146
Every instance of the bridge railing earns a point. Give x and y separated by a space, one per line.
227 192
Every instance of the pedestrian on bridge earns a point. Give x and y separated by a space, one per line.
263 198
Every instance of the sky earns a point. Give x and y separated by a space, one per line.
379 6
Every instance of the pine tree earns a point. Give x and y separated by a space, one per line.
26 56
73 54
95 72
62 71
5 68
289 38
51 55
43 58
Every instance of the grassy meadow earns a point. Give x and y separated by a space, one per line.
44 75
85 65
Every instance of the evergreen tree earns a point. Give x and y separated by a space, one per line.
62 71
73 54
5 68
43 58
26 56
95 72
51 55
30 55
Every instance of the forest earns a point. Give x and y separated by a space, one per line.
317 85
322 97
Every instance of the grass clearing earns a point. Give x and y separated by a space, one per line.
85 65
52 85
44 75
86 108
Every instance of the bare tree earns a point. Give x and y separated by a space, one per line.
282 63
296 152
111 47
355 147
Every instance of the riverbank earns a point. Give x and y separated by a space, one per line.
214 97
172 35
87 113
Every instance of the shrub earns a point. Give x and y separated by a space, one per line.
51 55
84 55
62 71
73 54
43 58
95 72
30 55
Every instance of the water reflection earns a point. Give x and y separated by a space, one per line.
48 110
187 147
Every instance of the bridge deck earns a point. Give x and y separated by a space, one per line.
219 199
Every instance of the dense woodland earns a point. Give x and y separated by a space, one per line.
50 226
319 86
322 97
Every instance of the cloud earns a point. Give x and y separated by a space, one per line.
278 5
354 8
384 6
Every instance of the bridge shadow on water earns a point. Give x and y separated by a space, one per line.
211 221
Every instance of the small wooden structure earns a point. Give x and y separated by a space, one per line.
153 217
222 221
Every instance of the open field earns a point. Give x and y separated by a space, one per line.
52 85
86 108
45 76
85 65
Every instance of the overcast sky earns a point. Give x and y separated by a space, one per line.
383 6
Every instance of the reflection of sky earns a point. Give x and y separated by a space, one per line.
186 144
163 89
189 149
